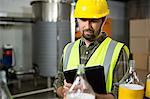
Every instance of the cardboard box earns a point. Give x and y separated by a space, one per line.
140 45
140 28
141 61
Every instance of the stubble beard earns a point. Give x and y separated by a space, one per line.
91 36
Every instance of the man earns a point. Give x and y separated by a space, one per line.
94 48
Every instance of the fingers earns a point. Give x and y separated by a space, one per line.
66 87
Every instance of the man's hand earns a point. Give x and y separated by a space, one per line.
62 91
66 87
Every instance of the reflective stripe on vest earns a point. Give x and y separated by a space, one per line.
67 54
108 57
74 52
108 50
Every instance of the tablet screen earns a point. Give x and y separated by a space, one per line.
94 75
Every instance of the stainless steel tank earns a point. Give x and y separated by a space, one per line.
51 31
51 10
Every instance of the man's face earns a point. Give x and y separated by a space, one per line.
90 28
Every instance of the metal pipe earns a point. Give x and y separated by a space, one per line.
17 19
33 92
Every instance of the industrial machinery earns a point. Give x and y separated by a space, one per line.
8 60
51 31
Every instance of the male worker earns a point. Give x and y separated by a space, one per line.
94 48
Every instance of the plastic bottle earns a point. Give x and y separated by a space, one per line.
131 87
80 88
147 89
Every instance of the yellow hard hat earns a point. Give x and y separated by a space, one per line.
91 9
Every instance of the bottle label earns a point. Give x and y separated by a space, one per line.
131 91
148 88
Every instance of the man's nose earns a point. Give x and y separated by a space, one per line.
87 24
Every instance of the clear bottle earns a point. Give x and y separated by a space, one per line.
80 88
132 77
4 90
147 89
131 87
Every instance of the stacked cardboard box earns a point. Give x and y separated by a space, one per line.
140 42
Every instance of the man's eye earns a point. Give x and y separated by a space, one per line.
83 19
94 21
90 20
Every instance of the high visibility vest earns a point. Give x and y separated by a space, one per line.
105 55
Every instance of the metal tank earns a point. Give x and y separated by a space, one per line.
119 21
51 31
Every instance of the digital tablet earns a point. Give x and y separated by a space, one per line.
95 76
